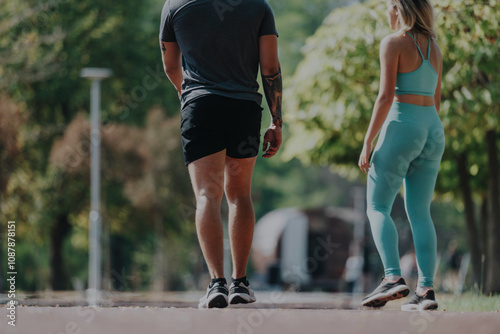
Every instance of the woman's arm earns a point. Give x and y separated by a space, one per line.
389 58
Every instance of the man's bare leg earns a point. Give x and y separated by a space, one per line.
207 178
238 180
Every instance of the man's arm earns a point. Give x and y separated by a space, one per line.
171 57
273 89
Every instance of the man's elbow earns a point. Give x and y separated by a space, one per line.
270 69
171 70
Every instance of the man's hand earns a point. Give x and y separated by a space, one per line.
272 141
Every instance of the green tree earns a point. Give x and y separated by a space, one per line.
296 20
43 47
144 181
9 154
332 93
66 185
164 195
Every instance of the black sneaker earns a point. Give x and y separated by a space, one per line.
421 303
385 292
240 292
216 296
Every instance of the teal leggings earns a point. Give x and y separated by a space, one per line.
409 150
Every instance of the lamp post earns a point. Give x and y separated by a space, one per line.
95 75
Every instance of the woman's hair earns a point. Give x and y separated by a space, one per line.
416 15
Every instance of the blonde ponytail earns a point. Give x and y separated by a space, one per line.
416 16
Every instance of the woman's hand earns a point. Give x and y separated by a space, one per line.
364 158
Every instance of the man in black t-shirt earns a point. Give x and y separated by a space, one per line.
212 50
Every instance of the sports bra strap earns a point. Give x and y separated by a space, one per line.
418 47
429 49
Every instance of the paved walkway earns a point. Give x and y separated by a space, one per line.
275 312
266 299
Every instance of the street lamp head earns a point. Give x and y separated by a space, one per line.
95 73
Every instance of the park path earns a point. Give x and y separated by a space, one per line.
142 320
275 312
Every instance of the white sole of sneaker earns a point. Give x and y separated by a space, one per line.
426 305
381 299
241 298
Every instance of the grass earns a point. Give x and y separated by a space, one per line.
469 302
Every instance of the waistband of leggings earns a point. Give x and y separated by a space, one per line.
412 113
408 107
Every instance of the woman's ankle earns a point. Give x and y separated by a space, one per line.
422 290
393 278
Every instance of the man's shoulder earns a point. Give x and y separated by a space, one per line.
175 5
257 3
251 7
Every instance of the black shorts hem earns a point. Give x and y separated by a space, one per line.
244 157
194 157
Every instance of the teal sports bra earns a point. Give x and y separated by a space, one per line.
422 81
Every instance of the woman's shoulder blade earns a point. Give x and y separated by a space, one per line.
392 43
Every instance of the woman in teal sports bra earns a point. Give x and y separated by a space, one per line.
408 150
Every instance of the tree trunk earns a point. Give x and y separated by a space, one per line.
58 233
484 240
470 221
493 278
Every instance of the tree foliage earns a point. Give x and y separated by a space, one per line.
296 20
333 91
43 47
331 96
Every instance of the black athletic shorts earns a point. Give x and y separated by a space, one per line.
213 123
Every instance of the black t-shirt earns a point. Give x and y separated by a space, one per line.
219 44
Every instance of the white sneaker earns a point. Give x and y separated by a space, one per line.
385 292
421 303
216 296
240 292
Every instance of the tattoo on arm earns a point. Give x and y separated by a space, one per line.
163 48
273 87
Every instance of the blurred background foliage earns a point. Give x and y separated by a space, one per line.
331 95
148 231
